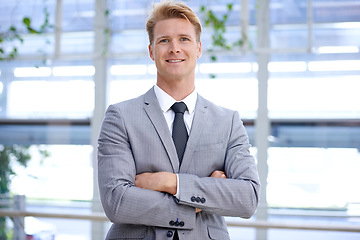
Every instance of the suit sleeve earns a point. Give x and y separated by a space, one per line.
121 200
235 196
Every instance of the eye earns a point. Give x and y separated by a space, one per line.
163 41
185 39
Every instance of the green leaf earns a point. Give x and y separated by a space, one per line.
27 21
12 29
31 30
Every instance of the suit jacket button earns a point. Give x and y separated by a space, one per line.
203 200
198 199
169 234
181 224
172 223
193 199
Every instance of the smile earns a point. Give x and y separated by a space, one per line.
175 60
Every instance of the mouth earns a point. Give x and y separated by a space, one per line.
175 60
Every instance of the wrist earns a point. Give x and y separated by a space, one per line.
170 183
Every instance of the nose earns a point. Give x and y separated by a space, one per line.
174 47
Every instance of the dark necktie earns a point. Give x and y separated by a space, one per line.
179 132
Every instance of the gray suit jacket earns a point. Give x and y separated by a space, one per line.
135 139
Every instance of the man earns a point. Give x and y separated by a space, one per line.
151 188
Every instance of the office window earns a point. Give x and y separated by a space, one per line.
67 174
50 99
317 98
312 98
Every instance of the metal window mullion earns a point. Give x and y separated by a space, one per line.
310 23
244 23
262 122
58 28
100 82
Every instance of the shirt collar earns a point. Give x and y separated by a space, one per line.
166 101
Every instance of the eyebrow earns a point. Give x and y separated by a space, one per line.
180 35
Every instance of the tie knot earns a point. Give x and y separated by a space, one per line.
179 107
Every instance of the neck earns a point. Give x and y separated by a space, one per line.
177 89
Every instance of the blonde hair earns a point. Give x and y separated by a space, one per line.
171 9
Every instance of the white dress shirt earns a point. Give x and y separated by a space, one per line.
166 101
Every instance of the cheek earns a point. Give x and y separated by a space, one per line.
158 53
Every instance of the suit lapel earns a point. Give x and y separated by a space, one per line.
154 112
201 113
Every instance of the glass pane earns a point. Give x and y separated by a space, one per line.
337 34
128 14
24 38
288 12
66 174
289 37
135 41
126 89
331 97
45 132
73 43
313 177
50 99
295 12
78 15
13 12
237 94
341 11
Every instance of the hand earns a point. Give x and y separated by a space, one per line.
159 181
215 174
218 174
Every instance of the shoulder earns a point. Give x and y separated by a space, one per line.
132 104
214 108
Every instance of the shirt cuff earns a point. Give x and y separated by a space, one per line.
177 195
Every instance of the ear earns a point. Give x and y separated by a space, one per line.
151 53
199 50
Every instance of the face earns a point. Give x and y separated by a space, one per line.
175 50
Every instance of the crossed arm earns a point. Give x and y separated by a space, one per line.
164 181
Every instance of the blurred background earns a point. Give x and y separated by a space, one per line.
291 69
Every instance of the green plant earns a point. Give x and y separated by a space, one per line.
218 27
9 155
13 35
107 33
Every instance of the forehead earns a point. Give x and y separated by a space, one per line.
174 26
